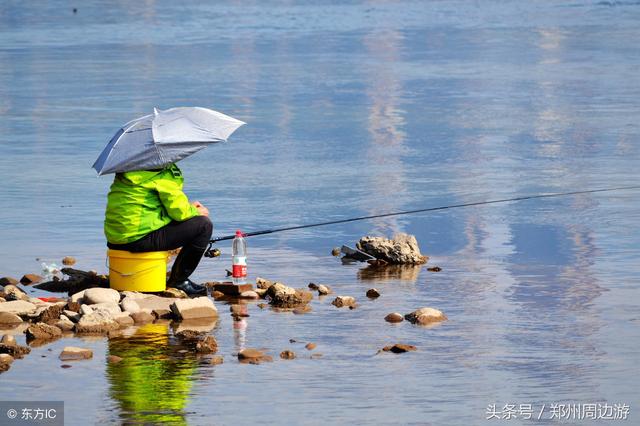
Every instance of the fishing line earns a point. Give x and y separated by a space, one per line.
429 209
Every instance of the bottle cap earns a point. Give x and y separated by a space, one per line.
238 233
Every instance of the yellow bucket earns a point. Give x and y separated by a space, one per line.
138 271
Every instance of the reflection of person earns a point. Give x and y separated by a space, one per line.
152 383
147 211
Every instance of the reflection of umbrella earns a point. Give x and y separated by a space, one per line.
164 137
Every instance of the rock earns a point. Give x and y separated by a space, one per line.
207 345
313 286
73 306
373 293
43 331
261 292
29 279
7 281
101 295
52 313
18 307
65 366
190 335
215 360
263 283
323 290
253 356
111 307
6 359
394 317
174 292
249 295
98 322
399 348
287 354
230 289
13 293
434 269
342 301
73 316
217 294
200 307
14 350
335 251
310 346
124 320
8 339
78 297
130 305
9 319
64 323
72 353
142 317
114 359
424 316
402 249
152 302
86 310
68 261
283 296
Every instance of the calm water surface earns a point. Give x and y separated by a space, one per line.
354 108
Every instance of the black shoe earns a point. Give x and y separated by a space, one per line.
190 288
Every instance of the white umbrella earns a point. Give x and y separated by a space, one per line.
164 137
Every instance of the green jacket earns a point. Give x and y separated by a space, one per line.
142 201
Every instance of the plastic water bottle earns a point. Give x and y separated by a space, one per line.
239 259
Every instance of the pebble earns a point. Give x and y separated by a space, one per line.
73 353
394 317
310 346
342 301
253 356
323 290
6 359
114 359
434 269
425 316
29 279
373 293
249 295
217 294
399 348
65 366
287 354
313 286
142 317
68 261
101 295
335 251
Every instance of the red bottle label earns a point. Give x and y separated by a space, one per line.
239 271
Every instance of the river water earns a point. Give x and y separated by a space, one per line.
353 108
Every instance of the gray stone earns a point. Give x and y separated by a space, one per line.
130 305
402 249
101 295
18 307
200 307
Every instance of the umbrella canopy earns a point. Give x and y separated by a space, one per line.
164 137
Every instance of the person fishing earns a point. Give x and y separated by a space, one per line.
148 211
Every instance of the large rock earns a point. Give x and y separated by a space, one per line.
9 319
72 353
200 307
101 295
425 316
43 331
283 296
18 307
98 322
402 249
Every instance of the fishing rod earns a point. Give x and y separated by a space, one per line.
212 252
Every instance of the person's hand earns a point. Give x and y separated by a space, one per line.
202 210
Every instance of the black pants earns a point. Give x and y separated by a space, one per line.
192 233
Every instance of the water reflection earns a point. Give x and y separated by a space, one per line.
408 273
152 383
